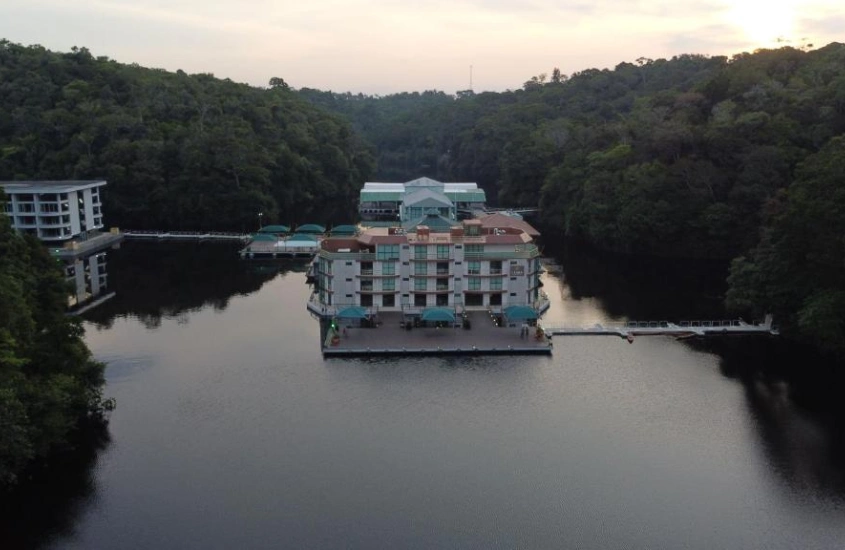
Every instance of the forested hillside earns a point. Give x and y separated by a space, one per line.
48 383
179 151
670 157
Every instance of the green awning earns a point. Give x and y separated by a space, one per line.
310 228
264 237
520 313
274 229
344 230
438 314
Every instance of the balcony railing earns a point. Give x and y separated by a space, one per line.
349 256
519 252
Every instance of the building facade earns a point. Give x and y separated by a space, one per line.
466 266
409 200
54 210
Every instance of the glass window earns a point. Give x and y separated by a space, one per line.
474 283
420 269
474 249
388 268
495 267
420 284
496 283
388 284
474 268
387 252
442 251
420 252
388 300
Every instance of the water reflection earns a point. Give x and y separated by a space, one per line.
155 280
641 288
797 412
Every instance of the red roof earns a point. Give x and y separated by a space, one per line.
503 221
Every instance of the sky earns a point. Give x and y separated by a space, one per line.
389 46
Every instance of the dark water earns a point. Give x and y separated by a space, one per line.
232 432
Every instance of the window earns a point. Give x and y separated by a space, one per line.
442 251
495 299
442 284
420 300
366 268
420 252
442 300
388 268
474 268
496 283
366 300
366 285
495 267
388 285
442 268
387 252
388 300
420 284
420 268
474 249
474 283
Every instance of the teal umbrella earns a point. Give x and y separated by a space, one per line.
352 312
438 314
520 313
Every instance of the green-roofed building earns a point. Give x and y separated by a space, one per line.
410 200
435 222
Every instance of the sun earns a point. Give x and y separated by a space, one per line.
765 23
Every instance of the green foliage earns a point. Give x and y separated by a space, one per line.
48 382
179 151
797 271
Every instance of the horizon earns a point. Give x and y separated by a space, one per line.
381 47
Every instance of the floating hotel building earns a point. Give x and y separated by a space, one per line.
428 258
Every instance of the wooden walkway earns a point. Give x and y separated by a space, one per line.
682 329
390 337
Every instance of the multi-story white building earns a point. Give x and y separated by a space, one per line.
409 200
466 266
54 210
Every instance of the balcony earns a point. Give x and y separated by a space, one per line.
519 252
348 256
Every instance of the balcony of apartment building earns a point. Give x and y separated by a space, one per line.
22 222
518 252
54 233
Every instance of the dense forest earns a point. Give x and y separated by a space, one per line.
49 385
694 156
178 151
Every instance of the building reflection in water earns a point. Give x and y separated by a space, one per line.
88 276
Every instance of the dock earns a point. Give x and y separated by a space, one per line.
95 242
390 336
185 235
682 329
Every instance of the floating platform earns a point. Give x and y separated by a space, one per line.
391 336
95 242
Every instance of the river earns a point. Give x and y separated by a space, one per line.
231 430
